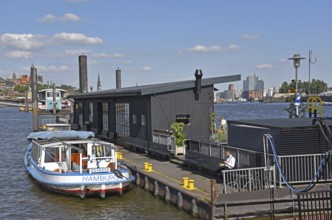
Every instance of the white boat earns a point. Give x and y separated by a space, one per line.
75 163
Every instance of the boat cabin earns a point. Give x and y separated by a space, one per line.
93 156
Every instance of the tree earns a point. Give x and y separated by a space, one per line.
292 110
42 86
21 89
284 87
67 87
316 86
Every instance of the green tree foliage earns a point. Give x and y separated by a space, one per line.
316 86
42 86
177 128
21 89
292 110
67 87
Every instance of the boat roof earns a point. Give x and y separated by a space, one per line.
47 135
51 90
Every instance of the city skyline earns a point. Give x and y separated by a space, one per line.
156 42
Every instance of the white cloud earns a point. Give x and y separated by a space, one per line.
265 66
213 48
106 55
23 41
205 49
50 69
76 52
251 36
19 54
146 68
283 60
47 18
75 39
68 17
234 47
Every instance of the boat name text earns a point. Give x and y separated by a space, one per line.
99 178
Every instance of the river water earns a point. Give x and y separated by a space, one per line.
22 198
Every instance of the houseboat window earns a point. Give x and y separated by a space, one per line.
185 119
134 119
105 116
91 112
80 113
143 120
122 119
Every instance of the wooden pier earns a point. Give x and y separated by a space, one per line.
205 199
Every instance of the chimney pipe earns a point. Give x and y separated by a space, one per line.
198 76
83 73
118 78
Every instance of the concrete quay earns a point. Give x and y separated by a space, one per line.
165 181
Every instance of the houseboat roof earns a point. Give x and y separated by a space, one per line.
157 88
279 123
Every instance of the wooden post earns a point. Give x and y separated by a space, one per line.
26 102
54 98
33 78
213 198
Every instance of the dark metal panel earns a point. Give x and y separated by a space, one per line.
287 140
165 107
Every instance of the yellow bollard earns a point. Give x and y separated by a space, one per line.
191 184
119 155
185 182
146 165
149 167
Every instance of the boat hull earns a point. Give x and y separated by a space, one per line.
80 184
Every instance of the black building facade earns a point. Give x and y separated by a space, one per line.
132 115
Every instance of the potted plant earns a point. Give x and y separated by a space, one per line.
177 132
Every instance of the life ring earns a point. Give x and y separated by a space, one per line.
57 171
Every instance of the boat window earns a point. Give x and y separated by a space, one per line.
101 151
35 152
51 154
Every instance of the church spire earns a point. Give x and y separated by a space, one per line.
98 84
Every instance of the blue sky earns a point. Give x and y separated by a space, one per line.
154 41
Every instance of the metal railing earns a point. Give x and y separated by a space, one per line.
249 179
315 205
302 168
245 157
165 139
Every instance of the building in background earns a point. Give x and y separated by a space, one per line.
253 88
227 95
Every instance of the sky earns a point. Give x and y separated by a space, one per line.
155 41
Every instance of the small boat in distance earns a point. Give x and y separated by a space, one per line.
75 163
